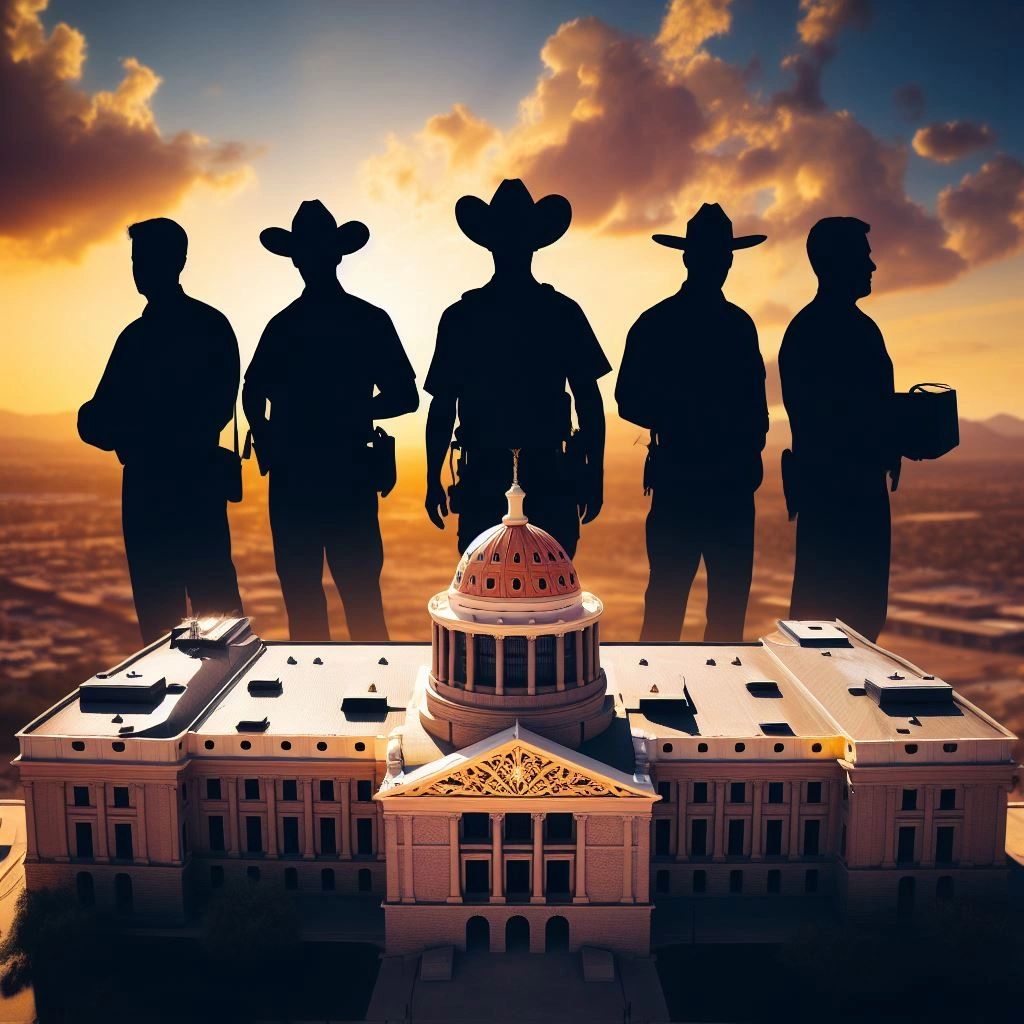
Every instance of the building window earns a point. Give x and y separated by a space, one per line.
478 879
291 879
216 876
364 791
290 834
700 792
699 837
546 672
216 829
570 657
909 802
484 654
944 844
476 827
702 748
905 845
558 827
518 828
775 792
812 837
811 880
662 837
251 789
213 789
735 845
665 792
735 882
253 834
947 799
328 836
327 880
83 840
364 837
121 796
774 883
814 792
515 662
123 842
327 790
81 796
700 881
773 838
737 792
290 790
85 889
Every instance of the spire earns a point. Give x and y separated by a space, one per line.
516 495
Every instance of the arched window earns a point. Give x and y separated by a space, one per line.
85 888
478 935
517 935
556 935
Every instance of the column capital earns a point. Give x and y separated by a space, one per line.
496 814
538 815
580 817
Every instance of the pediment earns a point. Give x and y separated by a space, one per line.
519 765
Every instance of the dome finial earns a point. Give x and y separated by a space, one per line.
516 495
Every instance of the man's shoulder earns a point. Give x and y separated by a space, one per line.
665 311
205 312
739 315
356 306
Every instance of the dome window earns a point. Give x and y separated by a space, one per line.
536 557
561 555
542 583
490 583
516 558
572 579
561 581
517 583
480 557
551 557
458 576
472 579
495 557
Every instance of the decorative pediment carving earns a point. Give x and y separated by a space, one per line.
519 771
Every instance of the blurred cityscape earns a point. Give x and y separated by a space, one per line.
957 606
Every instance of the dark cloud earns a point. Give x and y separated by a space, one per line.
985 212
947 141
76 167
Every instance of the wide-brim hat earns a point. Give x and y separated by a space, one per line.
314 229
709 228
513 218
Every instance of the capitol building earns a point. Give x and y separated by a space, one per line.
517 783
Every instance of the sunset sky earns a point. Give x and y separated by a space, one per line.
225 116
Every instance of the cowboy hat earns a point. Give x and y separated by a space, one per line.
709 228
513 217
315 229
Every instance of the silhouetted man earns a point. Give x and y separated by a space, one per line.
837 384
317 364
692 373
503 357
167 392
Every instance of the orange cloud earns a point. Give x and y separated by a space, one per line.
638 132
77 167
985 212
947 141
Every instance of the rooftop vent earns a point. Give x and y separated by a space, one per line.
291 660
736 660
212 632
253 724
764 688
711 661
889 693
364 704
777 729
382 661
265 687
133 688
815 634
318 661
643 661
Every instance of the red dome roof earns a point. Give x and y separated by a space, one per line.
513 562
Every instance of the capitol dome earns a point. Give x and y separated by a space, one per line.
515 638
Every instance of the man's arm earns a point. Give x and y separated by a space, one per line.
590 413
440 427
255 395
396 385
215 404
632 390
99 422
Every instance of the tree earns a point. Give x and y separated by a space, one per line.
251 924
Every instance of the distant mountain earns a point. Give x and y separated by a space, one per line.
1005 424
54 426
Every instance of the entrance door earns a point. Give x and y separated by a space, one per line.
517 935
517 879
556 935
478 935
557 887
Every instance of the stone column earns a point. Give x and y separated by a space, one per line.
408 880
538 858
928 839
394 890
309 836
531 664
560 661
234 846
755 823
470 660
433 649
596 659
443 641
587 671
581 676
497 865
627 859
345 831
141 839
581 859
270 796
682 796
968 841
499 664
999 846
794 820
889 850
452 681
102 845
454 873
718 849
171 793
